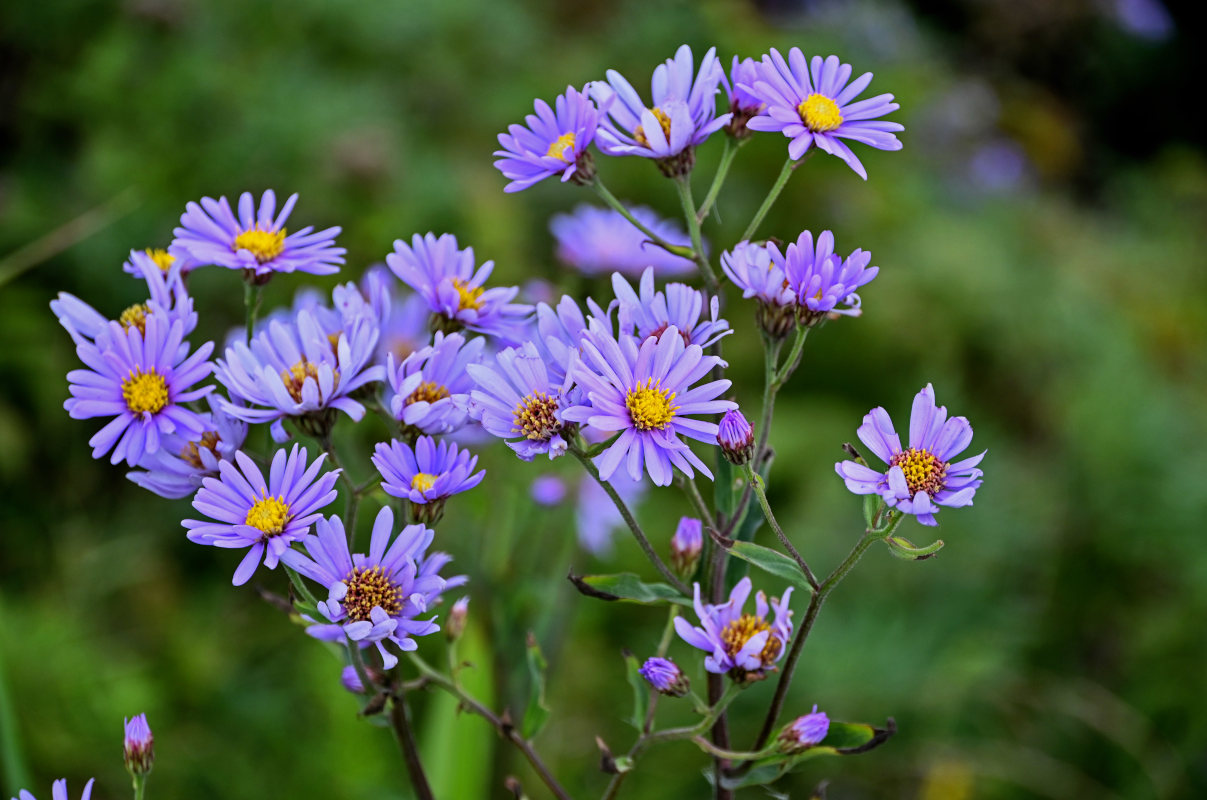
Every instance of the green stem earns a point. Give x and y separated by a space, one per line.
299 586
772 196
251 303
627 515
756 482
732 755
683 185
400 721
793 360
358 664
727 156
771 354
140 787
618 206
693 493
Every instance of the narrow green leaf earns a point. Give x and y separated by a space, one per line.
871 504
627 586
843 739
771 561
641 690
537 712
905 549
725 488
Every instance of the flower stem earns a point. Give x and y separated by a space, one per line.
756 482
772 196
683 185
638 533
793 360
771 354
620 208
727 155
140 787
693 493
400 721
251 303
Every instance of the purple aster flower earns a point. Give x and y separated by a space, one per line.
805 732
256 241
735 437
375 598
665 676
164 259
431 386
548 490
598 241
143 381
454 288
560 331
742 104
59 791
646 393
299 370
760 272
655 312
682 116
553 143
402 314
922 477
178 467
822 280
811 104
743 645
264 516
138 748
427 475
516 401
687 544
596 517
168 299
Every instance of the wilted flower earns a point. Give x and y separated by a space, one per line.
598 241
138 748
256 240
553 143
516 401
760 272
59 791
431 386
679 306
812 104
264 516
143 381
735 437
921 477
427 475
665 676
822 280
805 732
743 645
378 597
686 545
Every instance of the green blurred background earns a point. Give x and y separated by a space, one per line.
1041 247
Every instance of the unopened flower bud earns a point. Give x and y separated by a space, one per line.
736 437
665 676
686 545
805 732
454 626
139 746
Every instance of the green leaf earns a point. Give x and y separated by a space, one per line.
871 504
725 488
537 712
771 561
627 586
641 691
843 739
905 549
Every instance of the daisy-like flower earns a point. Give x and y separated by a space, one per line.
377 597
164 259
560 331
446 277
403 315
553 143
517 401
683 113
805 731
600 241
647 394
923 476
814 104
654 311
143 381
759 271
823 282
59 791
299 370
743 645
264 516
256 240
168 299
742 104
431 386
427 475
178 467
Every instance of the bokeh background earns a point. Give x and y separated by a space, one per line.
1041 244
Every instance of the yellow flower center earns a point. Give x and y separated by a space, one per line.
268 515
819 113
161 257
467 296
145 391
663 120
558 148
295 377
264 245
736 634
650 407
423 481
427 392
191 452
535 417
370 588
923 472
135 316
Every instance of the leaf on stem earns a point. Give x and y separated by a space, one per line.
537 712
905 549
843 739
628 587
771 561
641 690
